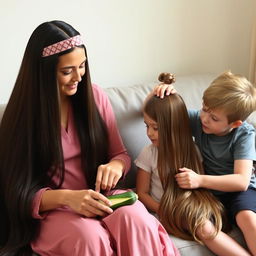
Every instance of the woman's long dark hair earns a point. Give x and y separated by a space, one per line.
30 137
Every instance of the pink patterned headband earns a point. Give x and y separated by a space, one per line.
62 45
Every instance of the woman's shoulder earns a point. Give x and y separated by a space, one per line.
97 90
96 87
100 96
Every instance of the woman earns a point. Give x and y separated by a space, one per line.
59 148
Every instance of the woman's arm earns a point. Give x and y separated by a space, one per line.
120 162
85 202
117 149
109 174
143 189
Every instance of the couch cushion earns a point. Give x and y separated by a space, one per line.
192 248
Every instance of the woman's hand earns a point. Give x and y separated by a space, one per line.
108 175
188 179
87 203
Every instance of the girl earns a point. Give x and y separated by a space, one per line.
59 148
187 214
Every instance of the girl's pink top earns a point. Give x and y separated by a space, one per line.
74 177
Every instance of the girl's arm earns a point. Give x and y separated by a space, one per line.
143 189
239 181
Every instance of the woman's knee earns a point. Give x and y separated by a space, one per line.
133 217
136 213
70 234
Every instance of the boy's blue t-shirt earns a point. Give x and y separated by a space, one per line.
220 152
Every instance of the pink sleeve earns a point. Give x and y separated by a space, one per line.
116 147
36 204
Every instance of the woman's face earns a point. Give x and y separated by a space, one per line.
70 69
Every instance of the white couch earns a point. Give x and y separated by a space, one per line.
126 102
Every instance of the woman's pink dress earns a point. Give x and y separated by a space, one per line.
129 230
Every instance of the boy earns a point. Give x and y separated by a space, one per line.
227 145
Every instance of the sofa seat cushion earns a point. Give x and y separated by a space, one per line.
192 248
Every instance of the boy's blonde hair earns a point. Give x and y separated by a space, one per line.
232 93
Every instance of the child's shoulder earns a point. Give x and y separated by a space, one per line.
147 157
194 114
150 148
246 128
245 131
148 151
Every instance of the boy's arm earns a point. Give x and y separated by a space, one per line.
143 188
239 181
161 90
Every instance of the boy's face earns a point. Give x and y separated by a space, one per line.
215 121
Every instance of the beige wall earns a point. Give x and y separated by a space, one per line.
131 41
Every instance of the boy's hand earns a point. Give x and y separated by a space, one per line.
188 179
162 89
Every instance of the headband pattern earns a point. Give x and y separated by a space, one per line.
62 45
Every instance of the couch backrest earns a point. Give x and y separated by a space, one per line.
2 107
127 103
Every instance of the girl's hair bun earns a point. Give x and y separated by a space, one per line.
166 78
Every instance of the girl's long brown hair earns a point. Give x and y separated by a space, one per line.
182 211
